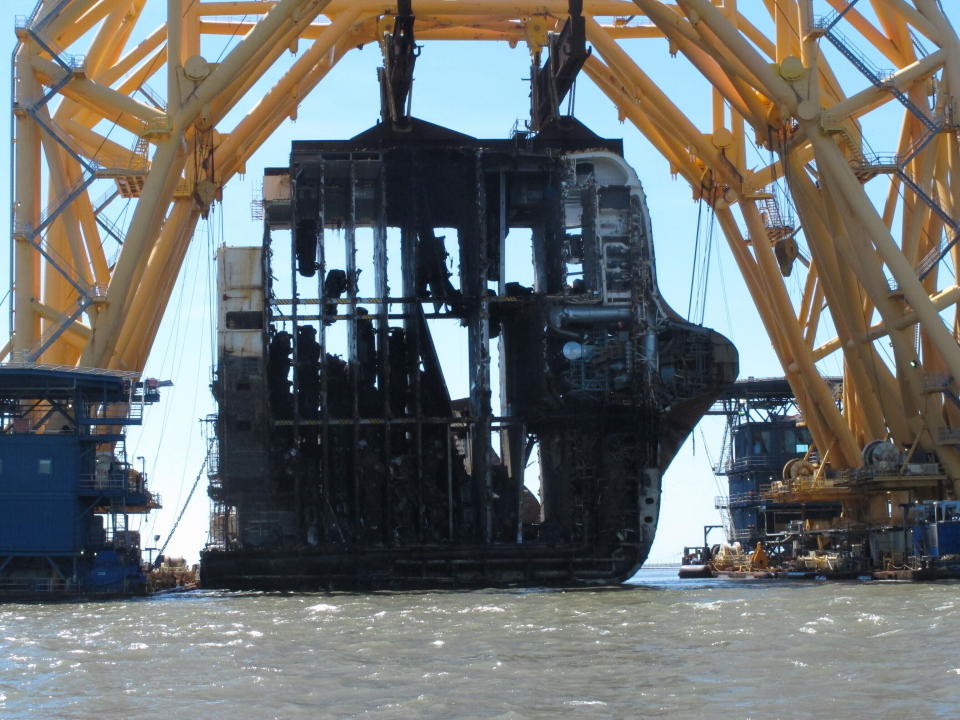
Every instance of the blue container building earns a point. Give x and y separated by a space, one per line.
68 496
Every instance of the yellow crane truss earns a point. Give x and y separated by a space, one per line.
873 266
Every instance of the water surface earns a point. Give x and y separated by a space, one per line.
658 647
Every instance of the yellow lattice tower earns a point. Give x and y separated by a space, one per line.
873 267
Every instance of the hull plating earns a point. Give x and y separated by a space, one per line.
354 452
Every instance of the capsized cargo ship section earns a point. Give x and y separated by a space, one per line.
344 459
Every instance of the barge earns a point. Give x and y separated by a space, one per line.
892 518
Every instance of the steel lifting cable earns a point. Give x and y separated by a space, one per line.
169 406
702 256
696 252
723 291
212 244
705 269
176 523
713 467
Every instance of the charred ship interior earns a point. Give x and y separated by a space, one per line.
448 313
363 469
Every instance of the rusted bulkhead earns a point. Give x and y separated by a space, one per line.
353 452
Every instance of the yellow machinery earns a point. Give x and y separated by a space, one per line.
873 261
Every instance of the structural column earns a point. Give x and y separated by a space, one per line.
26 205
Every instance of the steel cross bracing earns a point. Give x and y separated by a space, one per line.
777 88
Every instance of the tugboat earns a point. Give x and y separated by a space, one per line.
67 492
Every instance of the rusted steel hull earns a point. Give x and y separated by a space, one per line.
354 452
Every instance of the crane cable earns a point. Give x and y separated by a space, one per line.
702 255
176 523
708 257
696 254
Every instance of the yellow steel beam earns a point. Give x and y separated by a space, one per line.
94 146
134 57
167 164
873 97
323 45
774 88
439 28
880 41
77 334
112 37
941 301
120 108
26 205
63 25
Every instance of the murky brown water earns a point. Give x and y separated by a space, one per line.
659 648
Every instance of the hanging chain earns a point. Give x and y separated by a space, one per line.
156 563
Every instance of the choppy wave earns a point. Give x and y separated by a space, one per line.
657 648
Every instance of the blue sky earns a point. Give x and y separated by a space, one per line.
480 89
